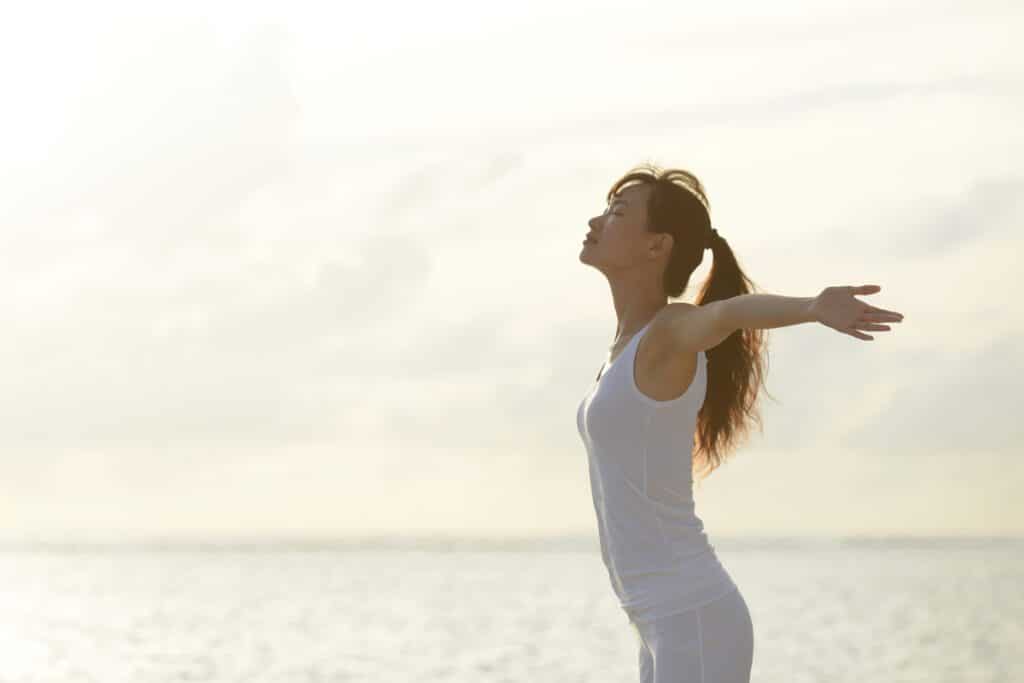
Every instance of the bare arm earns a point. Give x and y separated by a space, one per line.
763 311
689 328
834 307
692 328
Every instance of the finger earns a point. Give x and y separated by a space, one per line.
868 324
867 289
881 317
854 333
875 309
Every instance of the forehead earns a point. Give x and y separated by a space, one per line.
630 196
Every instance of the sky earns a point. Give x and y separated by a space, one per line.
308 271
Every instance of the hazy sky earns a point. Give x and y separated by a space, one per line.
275 271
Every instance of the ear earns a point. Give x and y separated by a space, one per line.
663 242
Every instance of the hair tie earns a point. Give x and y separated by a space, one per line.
711 239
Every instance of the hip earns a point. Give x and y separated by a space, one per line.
659 591
716 639
664 600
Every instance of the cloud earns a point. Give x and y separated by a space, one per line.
240 361
926 226
987 206
948 402
742 109
254 250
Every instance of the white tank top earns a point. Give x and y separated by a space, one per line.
639 451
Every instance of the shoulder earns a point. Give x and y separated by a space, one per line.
677 310
662 337
668 314
686 328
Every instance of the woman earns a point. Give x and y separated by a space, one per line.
675 393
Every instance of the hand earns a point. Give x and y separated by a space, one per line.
837 308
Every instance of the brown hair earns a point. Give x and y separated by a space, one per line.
736 367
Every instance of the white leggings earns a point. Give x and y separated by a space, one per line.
713 643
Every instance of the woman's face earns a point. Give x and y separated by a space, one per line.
619 234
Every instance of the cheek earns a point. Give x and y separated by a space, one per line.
615 241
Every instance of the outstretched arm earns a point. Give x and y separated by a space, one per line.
690 328
763 311
834 307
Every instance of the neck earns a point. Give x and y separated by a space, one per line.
636 304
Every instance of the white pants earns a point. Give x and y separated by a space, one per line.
713 643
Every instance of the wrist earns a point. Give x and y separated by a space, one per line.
812 309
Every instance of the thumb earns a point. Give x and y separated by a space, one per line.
867 289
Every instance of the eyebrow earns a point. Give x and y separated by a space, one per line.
619 201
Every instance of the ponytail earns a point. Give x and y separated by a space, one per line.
677 205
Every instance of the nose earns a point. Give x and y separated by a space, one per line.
592 223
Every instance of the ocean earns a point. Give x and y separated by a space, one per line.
885 610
